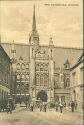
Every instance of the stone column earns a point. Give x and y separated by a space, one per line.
51 78
32 72
51 73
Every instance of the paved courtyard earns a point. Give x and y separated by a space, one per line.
22 116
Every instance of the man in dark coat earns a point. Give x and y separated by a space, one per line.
72 106
56 105
45 107
61 107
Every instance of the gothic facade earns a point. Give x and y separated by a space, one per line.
41 68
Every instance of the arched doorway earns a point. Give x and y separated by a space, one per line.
42 95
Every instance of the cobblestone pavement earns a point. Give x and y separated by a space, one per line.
22 116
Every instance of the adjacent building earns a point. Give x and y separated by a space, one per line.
77 84
5 74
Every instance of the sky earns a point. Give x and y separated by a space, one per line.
60 19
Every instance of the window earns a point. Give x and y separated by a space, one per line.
73 77
27 77
37 80
46 67
23 66
18 66
27 66
41 80
23 76
45 80
18 76
68 82
81 75
41 69
37 67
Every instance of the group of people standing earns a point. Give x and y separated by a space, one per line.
59 106
42 107
72 105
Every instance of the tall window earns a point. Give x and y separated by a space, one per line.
37 67
46 80
41 80
68 82
23 66
27 77
27 66
23 76
18 76
81 75
18 66
73 77
37 80
41 68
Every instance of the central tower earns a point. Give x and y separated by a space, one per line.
41 67
34 37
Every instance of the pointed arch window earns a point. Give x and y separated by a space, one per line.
27 77
18 66
27 66
23 66
18 76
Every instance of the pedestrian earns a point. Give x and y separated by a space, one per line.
41 106
26 103
72 106
76 105
56 105
32 107
9 108
61 107
64 104
45 107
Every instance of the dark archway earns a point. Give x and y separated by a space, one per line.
42 95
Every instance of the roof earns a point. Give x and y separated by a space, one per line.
79 61
2 50
60 54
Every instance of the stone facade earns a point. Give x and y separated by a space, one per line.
5 74
41 69
77 84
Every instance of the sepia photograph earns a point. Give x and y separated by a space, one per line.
41 62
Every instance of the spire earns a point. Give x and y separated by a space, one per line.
34 21
34 37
